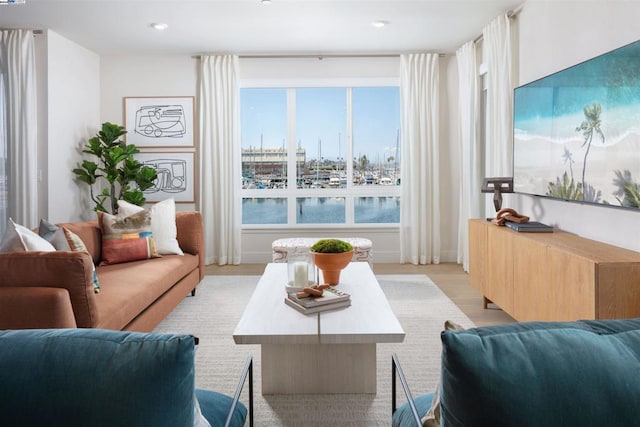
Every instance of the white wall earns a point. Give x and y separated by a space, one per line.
73 110
553 36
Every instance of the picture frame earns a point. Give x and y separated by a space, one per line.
159 121
576 134
176 176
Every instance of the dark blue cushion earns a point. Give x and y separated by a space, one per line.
583 373
92 377
215 407
403 416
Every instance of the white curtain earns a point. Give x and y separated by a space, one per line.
497 53
220 204
471 205
420 202
18 71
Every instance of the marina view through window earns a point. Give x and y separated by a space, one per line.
320 155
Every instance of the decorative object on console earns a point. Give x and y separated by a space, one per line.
508 214
497 186
117 166
331 256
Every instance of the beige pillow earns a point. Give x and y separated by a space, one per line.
163 224
18 238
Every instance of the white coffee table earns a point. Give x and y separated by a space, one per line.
327 352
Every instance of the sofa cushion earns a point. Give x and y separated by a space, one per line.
128 289
215 408
584 373
403 417
92 377
126 238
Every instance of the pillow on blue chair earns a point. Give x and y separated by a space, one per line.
93 377
584 373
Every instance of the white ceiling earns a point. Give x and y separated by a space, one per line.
250 27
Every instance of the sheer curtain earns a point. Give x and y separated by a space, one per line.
219 106
420 206
18 71
471 154
497 53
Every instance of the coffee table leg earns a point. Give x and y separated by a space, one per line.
318 368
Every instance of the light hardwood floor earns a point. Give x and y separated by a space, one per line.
449 277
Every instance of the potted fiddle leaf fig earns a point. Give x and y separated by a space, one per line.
126 178
331 256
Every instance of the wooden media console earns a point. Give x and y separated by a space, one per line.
555 276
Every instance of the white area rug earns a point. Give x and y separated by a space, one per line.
213 313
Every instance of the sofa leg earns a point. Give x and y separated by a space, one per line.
193 292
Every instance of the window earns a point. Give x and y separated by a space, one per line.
320 155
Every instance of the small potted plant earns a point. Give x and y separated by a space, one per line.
331 256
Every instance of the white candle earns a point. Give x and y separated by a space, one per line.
300 274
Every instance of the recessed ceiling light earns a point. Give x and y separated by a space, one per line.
265 1
380 24
159 26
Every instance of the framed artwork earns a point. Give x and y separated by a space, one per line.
159 122
577 133
176 176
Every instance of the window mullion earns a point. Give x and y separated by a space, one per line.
349 205
292 147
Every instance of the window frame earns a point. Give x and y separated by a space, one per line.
350 192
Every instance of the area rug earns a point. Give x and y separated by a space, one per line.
421 307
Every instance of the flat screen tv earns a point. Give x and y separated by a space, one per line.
577 132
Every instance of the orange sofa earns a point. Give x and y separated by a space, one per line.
55 289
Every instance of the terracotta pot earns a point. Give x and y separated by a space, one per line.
331 265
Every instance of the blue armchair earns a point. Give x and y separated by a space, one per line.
583 373
94 377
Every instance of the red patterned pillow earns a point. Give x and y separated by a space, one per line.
126 238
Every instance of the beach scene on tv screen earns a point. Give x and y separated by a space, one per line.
577 132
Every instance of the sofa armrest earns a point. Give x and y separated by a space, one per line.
68 270
35 308
396 368
191 236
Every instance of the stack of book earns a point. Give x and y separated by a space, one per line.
330 300
529 227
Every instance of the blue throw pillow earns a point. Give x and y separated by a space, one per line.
583 373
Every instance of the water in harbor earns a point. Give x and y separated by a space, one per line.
321 210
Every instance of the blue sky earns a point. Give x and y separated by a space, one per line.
321 114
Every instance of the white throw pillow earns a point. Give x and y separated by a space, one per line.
18 238
163 224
